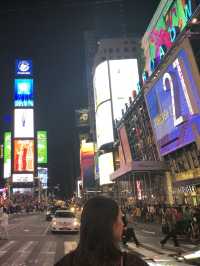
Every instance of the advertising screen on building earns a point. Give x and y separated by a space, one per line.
23 156
106 167
125 147
7 154
43 176
87 164
124 80
82 117
23 123
23 67
101 84
174 104
104 124
161 34
23 96
22 178
42 147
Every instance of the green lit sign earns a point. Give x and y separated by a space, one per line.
42 147
7 154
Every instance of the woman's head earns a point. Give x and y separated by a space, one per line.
101 224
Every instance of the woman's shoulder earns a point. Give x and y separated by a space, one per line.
134 260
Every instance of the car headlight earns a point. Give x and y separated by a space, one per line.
72 209
54 223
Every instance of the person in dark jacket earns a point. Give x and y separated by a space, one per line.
100 233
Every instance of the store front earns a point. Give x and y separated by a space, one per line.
187 192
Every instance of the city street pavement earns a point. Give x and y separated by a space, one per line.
31 243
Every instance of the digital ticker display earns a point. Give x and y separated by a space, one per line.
23 95
173 103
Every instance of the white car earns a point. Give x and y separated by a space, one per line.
64 221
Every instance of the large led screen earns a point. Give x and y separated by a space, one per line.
42 147
23 123
22 178
124 80
106 167
43 176
87 164
23 96
104 124
174 105
160 36
7 154
23 156
101 83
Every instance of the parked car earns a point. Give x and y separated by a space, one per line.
64 221
50 213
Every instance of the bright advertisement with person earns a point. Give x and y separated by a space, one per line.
23 123
174 105
43 176
7 155
23 95
23 155
42 147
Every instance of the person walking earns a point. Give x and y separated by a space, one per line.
4 225
170 216
129 232
100 234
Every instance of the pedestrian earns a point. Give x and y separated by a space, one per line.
4 224
129 232
170 216
100 234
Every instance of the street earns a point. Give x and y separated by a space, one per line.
31 242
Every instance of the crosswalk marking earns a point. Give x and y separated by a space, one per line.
19 257
47 255
143 251
5 248
69 246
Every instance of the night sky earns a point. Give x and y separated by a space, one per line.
51 34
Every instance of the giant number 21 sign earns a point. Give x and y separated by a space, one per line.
174 106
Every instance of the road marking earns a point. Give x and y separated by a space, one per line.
19 257
46 230
143 251
47 255
5 248
69 246
149 232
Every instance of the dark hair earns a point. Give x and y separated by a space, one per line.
97 245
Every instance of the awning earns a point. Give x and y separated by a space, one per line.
139 166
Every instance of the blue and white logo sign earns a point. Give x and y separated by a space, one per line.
24 67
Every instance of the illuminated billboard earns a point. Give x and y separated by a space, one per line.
23 123
124 80
104 124
173 103
23 156
169 20
82 117
42 147
22 178
23 95
106 167
43 176
7 154
125 150
23 67
87 164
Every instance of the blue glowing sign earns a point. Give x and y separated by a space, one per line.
23 67
174 106
23 93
